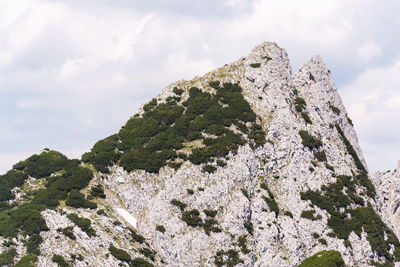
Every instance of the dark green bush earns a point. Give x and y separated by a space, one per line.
136 237
42 165
242 243
138 262
7 257
190 191
299 104
192 218
209 168
179 204
160 228
119 254
306 117
210 213
255 65
148 253
68 232
310 215
335 110
249 227
320 155
288 213
177 91
309 141
60 260
97 191
83 223
77 200
228 258
33 243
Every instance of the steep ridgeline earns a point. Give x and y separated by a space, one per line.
245 166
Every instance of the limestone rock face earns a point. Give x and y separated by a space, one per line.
387 185
253 206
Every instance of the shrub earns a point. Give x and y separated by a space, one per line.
42 165
119 254
210 213
190 191
177 91
33 243
299 104
160 228
245 193
228 258
97 191
148 253
59 260
7 257
335 110
179 204
138 262
77 200
272 205
209 168
136 237
68 232
309 214
306 117
322 241
288 213
192 218
249 227
27 261
324 258
221 163
242 243
255 65
320 155
83 223
309 141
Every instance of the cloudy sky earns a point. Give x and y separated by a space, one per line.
72 72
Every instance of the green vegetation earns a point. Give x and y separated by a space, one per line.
306 117
255 65
288 213
97 191
270 200
138 262
229 258
177 91
60 260
336 198
7 257
148 253
33 243
83 223
210 213
119 254
310 215
325 258
137 237
310 141
320 156
299 104
161 228
27 261
179 204
242 243
68 232
190 191
335 110
209 168
151 141
245 193
249 227
77 200
192 218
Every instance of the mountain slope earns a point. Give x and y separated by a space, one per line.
245 166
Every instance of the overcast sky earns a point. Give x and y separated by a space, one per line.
72 72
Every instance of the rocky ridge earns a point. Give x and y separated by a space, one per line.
255 206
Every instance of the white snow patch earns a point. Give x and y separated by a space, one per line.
127 216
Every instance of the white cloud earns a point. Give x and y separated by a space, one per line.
373 102
368 51
84 68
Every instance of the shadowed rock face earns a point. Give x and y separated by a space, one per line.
259 205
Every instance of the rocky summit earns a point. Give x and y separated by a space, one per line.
248 165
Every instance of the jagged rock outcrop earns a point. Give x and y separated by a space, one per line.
292 183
